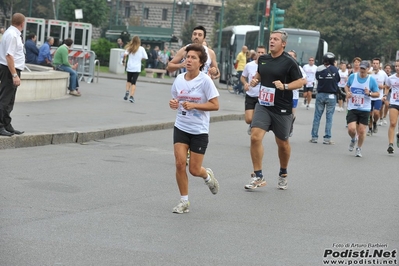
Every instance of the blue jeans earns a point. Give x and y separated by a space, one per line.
239 88
73 77
328 101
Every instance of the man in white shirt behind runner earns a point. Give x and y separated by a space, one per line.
295 93
211 65
310 70
376 103
252 93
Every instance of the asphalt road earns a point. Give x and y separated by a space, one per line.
109 202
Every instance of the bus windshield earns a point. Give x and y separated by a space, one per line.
304 42
305 46
232 41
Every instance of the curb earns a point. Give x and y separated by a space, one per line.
42 139
153 80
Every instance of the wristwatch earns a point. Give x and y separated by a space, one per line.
369 93
285 86
14 75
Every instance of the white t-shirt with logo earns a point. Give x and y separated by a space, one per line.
201 89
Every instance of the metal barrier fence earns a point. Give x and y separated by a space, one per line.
86 63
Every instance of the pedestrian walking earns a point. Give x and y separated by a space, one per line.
135 54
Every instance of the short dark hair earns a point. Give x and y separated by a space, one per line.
376 59
31 35
199 27
202 53
68 42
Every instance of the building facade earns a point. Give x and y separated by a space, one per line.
171 14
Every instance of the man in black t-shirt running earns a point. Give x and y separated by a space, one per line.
278 74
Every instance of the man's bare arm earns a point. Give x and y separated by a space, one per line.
176 63
214 69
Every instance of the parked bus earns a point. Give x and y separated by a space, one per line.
306 43
233 39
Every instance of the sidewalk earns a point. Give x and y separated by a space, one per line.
102 113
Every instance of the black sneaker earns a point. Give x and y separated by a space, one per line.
397 140
126 96
131 99
390 149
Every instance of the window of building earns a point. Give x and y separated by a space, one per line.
217 17
127 12
187 15
146 13
164 14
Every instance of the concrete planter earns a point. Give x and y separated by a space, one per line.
42 83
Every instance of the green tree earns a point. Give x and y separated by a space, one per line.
187 30
102 48
238 12
95 12
352 28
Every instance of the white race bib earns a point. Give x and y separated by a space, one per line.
357 97
266 96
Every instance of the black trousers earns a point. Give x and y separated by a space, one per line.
7 95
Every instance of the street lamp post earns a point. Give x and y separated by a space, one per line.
173 16
117 13
220 31
183 5
30 8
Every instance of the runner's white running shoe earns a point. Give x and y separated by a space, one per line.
182 207
213 184
255 182
282 181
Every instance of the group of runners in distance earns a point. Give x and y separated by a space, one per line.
271 83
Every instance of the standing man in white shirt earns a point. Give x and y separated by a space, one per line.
310 70
252 93
12 62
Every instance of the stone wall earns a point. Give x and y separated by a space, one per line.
204 13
